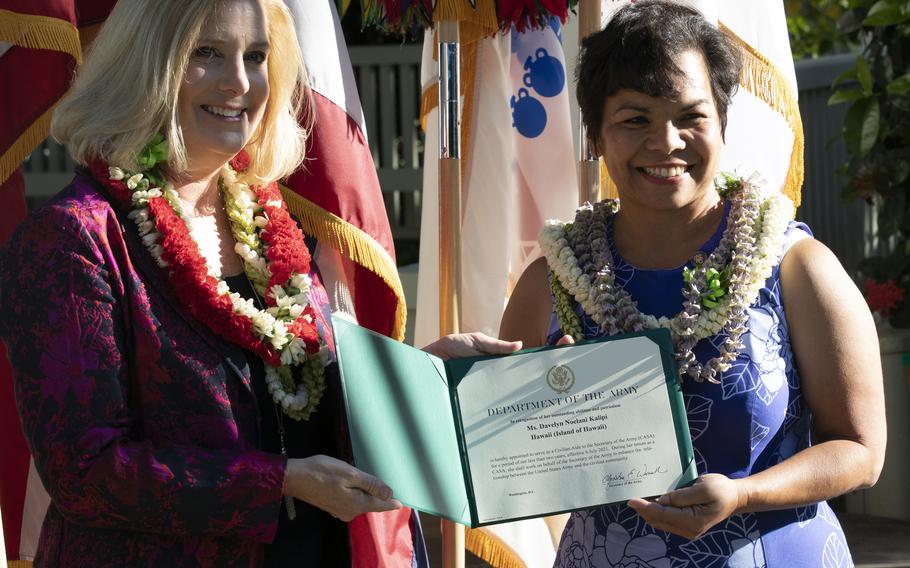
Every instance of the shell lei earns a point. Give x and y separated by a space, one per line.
581 265
275 259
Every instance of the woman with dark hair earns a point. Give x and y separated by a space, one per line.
775 348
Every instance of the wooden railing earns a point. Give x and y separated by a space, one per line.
388 79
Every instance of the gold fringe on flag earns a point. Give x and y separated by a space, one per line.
20 564
36 32
22 146
761 78
40 32
353 243
462 11
492 550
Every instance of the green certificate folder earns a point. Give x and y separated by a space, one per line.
492 439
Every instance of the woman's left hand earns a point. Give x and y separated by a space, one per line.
691 511
469 344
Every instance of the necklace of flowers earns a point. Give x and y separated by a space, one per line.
275 260
716 293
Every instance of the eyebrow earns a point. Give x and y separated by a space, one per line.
630 106
697 103
261 45
645 110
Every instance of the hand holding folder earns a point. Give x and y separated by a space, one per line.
492 439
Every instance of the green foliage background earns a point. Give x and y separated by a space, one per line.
876 128
813 27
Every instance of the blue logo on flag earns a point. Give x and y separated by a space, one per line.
545 74
529 116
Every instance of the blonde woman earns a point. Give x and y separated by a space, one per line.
174 365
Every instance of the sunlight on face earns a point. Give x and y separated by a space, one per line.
664 153
224 93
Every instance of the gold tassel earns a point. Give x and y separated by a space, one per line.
24 144
35 32
462 11
20 564
491 549
354 244
761 78
485 16
447 10
472 31
40 32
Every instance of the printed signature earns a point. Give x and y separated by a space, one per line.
642 472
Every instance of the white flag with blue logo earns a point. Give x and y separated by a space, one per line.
519 171
542 132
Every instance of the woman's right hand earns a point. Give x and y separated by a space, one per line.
337 487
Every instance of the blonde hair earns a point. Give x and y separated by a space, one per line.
127 90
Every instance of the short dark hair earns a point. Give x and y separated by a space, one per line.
636 51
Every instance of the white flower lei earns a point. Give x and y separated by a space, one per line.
579 256
269 325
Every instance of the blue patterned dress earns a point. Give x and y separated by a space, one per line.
751 421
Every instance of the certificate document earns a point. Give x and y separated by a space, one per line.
561 429
499 438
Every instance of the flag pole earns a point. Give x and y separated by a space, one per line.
588 164
453 534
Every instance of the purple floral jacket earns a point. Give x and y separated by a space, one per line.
142 423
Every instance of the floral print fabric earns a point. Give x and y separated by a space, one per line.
751 421
142 423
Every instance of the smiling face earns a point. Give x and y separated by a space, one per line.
661 153
223 96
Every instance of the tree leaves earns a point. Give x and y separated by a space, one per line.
887 13
863 75
813 27
845 96
861 126
899 86
876 130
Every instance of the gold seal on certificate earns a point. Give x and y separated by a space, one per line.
493 439
561 378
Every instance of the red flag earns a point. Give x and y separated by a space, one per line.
39 50
42 52
14 455
341 199
346 212
336 196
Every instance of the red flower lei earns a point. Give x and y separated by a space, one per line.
198 290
